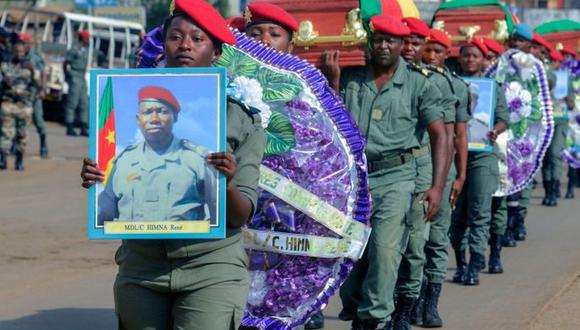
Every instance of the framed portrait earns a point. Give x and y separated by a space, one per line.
482 103
150 132
559 92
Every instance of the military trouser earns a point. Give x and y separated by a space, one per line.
499 216
38 116
369 289
77 101
14 118
473 209
157 293
552 163
436 248
524 199
411 268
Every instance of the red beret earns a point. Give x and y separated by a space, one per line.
439 37
159 94
568 51
207 18
84 34
493 45
538 39
476 42
262 11
237 22
417 26
389 25
556 56
25 36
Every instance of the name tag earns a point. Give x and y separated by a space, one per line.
377 114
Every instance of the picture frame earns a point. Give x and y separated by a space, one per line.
482 103
559 92
150 132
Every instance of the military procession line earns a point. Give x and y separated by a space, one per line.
427 189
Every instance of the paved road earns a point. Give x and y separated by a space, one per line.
52 277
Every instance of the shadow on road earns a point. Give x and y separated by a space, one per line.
64 318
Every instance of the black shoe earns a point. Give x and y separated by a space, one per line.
556 191
570 191
363 325
43 147
461 271
70 130
417 312
3 163
315 322
84 130
547 191
508 239
472 277
431 318
402 314
18 164
388 325
495 244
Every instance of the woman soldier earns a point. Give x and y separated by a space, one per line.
194 284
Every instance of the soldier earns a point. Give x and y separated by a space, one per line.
521 39
435 52
75 67
38 112
471 219
411 268
495 50
194 284
189 181
393 102
271 25
18 81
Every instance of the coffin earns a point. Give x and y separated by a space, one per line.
324 25
561 33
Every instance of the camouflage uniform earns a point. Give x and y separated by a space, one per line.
18 83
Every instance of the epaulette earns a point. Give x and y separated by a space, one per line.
248 110
421 70
126 150
458 77
200 150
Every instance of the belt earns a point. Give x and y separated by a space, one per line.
422 151
392 161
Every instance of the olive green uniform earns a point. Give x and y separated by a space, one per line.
436 247
77 101
473 210
18 83
499 216
392 120
411 269
193 284
38 112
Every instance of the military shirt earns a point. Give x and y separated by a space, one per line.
246 140
18 82
461 89
390 118
77 58
449 101
36 59
146 186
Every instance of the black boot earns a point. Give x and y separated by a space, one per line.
417 312
363 325
3 164
547 191
495 266
475 261
315 322
402 314
70 130
461 270
84 130
554 192
18 165
43 147
520 233
570 191
508 239
557 192
431 318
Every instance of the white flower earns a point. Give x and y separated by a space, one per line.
250 92
523 60
519 101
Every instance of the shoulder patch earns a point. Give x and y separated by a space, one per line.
201 150
424 71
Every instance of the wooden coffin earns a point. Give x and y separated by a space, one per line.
569 39
324 25
482 21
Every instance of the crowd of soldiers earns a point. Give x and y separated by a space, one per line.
23 80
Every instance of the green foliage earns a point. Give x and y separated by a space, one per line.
278 86
279 135
235 61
